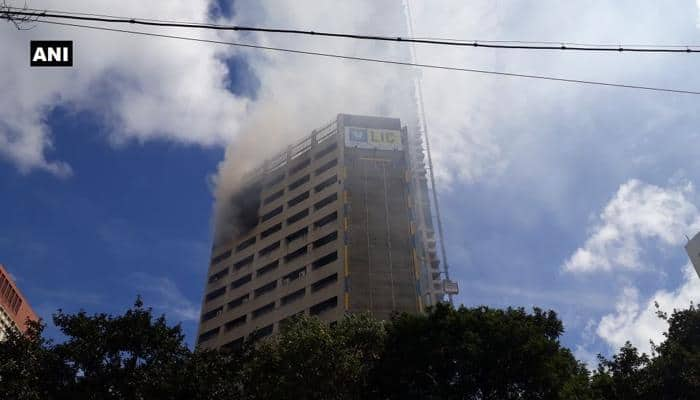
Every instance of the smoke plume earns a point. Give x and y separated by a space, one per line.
299 93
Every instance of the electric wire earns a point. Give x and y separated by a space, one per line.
514 45
410 36
379 60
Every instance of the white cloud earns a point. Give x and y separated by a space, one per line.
635 319
164 295
637 212
141 88
588 338
150 88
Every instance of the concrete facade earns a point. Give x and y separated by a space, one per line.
693 250
334 224
14 309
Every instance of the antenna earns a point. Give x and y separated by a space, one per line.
424 127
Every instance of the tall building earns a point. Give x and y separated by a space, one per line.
14 309
339 222
693 250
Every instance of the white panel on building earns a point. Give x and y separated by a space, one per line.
693 250
366 138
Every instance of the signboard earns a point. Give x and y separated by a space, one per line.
450 287
366 138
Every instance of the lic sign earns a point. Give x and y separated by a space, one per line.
51 53
367 138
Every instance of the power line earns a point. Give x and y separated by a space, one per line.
379 60
513 45
624 45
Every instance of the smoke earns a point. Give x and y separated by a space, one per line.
299 93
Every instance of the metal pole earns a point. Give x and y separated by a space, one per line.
419 88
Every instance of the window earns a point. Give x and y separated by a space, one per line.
326 220
327 183
324 306
238 302
235 344
241 281
292 276
298 216
265 289
299 182
218 275
300 166
298 199
274 196
212 314
295 254
264 310
215 294
269 231
273 181
245 244
243 263
322 283
269 249
325 201
325 240
261 333
272 214
267 268
221 257
294 296
326 150
235 323
325 167
325 260
301 233
209 335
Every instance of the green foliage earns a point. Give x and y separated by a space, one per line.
464 353
477 353
29 370
626 376
312 360
676 367
673 372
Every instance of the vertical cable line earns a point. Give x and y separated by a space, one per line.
424 124
369 254
388 235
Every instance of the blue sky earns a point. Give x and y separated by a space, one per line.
132 220
554 195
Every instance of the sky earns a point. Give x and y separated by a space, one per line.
563 196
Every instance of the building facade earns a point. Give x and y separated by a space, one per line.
339 222
693 250
14 309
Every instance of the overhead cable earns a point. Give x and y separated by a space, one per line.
514 45
379 60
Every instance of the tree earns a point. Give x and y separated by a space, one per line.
465 353
210 374
672 371
625 376
29 370
676 367
479 353
311 360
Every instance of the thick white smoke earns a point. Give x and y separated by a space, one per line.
300 93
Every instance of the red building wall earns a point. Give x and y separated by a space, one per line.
13 302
